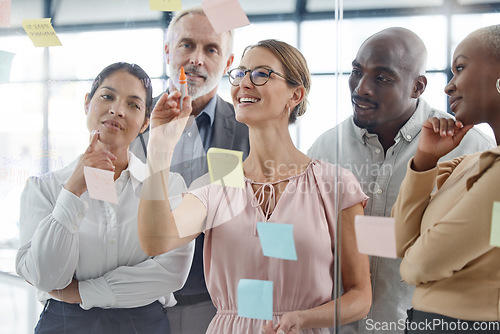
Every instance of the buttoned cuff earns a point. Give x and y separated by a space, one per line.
96 293
70 210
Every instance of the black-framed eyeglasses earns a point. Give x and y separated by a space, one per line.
258 76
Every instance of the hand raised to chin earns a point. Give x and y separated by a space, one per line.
95 156
438 137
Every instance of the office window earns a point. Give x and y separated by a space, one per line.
283 30
91 51
325 109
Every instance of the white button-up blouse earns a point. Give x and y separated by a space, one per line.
63 236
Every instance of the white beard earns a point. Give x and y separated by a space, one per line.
195 90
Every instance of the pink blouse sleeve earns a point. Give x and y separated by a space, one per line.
334 183
223 203
350 190
331 178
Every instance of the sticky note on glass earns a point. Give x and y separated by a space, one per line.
41 33
100 184
5 65
277 240
255 299
5 6
225 167
376 236
495 225
165 5
224 15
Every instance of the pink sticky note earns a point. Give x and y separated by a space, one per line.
5 6
376 236
224 15
100 184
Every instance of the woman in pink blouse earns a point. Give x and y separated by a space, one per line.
281 185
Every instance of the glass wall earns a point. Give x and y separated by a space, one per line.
42 121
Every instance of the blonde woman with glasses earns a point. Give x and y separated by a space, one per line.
281 185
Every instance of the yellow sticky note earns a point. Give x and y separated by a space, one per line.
41 33
165 5
495 225
226 167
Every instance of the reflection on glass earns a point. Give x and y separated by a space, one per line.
22 153
25 151
27 64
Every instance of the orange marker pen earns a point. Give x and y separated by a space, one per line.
183 84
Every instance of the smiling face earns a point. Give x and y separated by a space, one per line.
203 53
267 102
117 109
383 83
472 91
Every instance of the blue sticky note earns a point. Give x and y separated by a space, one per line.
5 65
277 240
255 299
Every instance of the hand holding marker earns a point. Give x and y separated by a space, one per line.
182 84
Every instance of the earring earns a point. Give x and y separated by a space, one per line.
289 111
498 85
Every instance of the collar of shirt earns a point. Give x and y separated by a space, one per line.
413 126
209 110
136 168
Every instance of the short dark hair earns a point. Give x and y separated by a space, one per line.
489 37
133 69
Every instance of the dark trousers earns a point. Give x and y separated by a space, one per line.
63 318
419 322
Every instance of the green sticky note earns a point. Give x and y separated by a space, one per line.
495 225
225 167
255 299
277 240
5 65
